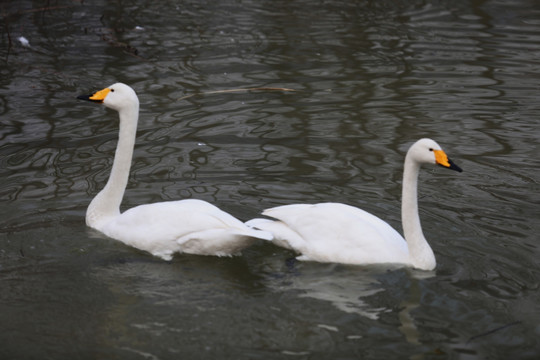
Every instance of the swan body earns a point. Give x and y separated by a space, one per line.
334 232
164 228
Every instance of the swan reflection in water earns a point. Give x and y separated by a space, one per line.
355 290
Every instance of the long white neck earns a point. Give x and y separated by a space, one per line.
420 253
106 204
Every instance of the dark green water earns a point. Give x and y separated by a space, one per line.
370 78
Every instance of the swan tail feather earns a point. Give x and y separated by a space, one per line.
283 235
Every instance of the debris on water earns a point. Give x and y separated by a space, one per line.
328 327
24 41
493 331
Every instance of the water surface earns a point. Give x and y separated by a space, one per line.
370 78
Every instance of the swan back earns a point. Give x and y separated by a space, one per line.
334 232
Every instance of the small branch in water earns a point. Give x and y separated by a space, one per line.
493 331
45 8
236 90
10 42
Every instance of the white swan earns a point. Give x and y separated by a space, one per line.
188 226
333 232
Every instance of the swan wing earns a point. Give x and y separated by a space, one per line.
162 228
333 232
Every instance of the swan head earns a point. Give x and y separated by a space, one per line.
117 97
427 151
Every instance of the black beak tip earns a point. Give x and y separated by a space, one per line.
87 98
454 166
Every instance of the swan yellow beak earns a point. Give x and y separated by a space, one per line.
442 159
96 97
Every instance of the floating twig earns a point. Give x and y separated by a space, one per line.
236 90
45 8
493 331
10 42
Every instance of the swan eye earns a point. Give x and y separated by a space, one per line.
430 149
112 90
